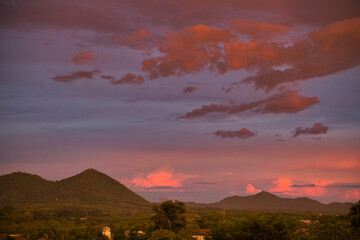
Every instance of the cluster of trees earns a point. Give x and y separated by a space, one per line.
171 220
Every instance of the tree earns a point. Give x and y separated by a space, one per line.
170 215
355 216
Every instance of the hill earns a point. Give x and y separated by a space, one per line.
90 187
268 201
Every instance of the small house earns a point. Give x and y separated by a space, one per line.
107 232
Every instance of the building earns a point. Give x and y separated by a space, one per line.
107 232
201 234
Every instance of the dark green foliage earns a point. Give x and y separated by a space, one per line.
163 234
254 227
355 216
170 215
172 221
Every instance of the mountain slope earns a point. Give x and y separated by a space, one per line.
89 187
94 187
268 201
20 187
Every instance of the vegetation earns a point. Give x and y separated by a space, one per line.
354 215
172 220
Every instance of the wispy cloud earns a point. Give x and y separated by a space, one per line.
317 128
75 76
285 102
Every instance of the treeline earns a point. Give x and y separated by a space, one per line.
171 220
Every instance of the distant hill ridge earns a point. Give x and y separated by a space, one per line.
92 187
268 201
89 187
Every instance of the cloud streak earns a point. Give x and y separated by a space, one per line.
317 128
242 134
129 79
285 102
75 76
188 90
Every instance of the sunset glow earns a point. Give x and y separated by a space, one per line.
189 100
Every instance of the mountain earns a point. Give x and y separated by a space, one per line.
89 187
268 201
22 187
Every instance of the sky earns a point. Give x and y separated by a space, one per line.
195 100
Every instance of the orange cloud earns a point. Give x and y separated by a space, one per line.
318 128
241 134
188 51
251 189
239 54
285 102
325 51
83 57
129 79
258 30
328 50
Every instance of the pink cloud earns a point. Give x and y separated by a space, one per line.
161 180
83 57
286 186
251 189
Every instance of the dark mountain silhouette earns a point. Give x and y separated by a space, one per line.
268 201
92 187
89 187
